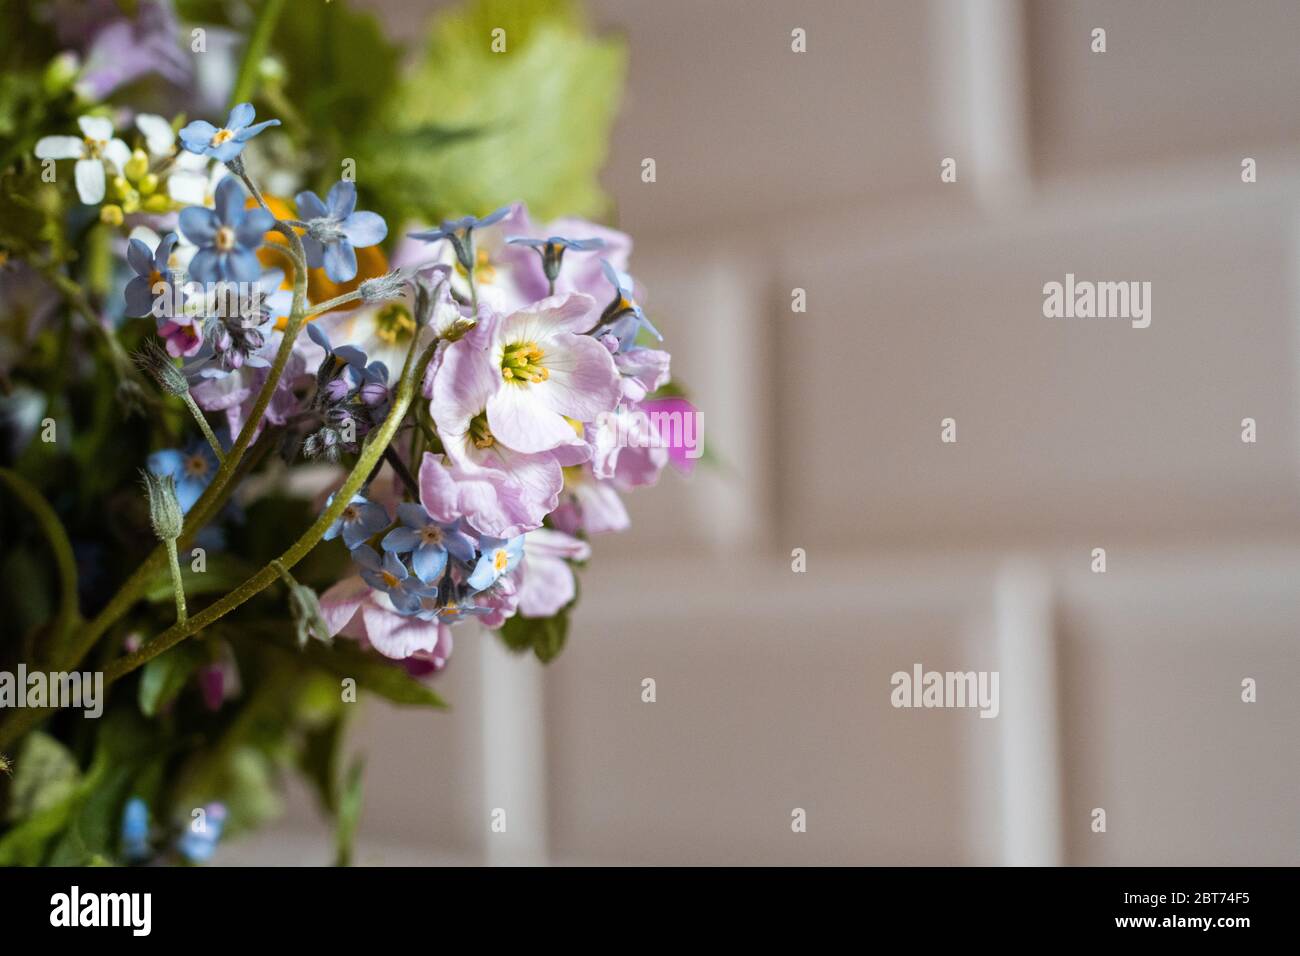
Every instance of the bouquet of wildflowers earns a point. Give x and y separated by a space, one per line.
276 433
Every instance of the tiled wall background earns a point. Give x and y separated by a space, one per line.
1119 691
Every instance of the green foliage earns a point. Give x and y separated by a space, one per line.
542 111
163 677
349 812
544 636
463 132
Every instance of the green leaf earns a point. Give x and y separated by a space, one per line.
341 67
544 636
543 109
373 674
164 676
45 775
319 759
349 812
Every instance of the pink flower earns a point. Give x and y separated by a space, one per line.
182 335
352 608
546 371
589 505
547 583
500 491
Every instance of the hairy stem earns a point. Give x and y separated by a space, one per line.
370 455
178 586
204 426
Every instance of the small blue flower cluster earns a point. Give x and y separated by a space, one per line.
428 569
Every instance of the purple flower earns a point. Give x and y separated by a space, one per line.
335 229
228 142
226 236
123 50
150 269
360 520
501 492
547 372
390 576
429 542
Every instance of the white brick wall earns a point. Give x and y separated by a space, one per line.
821 171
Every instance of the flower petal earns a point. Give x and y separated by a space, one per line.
59 147
96 127
341 602
197 136
90 181
365 229
522 422
159 138
342 199
199 225
398 637
428 563
240 116
230 200
340 262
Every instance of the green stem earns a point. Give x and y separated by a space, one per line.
215 495
370 455
178 586
255 51
65 563
204 426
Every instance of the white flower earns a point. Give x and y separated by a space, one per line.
91 153
159 137
192 182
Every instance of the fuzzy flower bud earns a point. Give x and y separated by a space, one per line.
308 620
164 510
390 285
157 364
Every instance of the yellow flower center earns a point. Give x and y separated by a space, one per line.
222 136
484 271
479 433
500 560
94 148
389 578
394 324
521 363
225 239
431 534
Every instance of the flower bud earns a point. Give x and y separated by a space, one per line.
60 73
137 166
164 510
308 620
391 285
157 364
